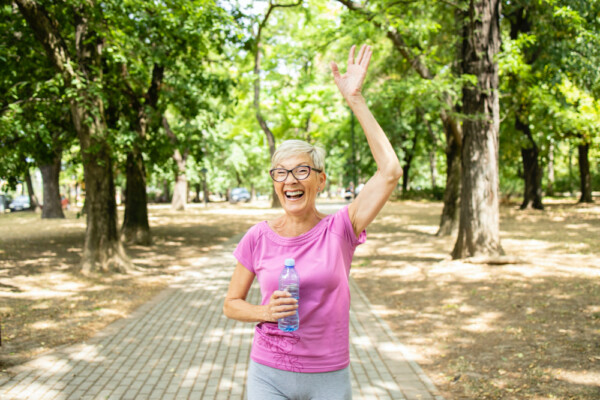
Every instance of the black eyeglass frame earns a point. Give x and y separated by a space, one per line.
310 169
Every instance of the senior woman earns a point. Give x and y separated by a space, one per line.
312 362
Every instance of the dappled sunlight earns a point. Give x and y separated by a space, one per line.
482 323
591 378
495 328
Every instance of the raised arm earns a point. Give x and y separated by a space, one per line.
380 186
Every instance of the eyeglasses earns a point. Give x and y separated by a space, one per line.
300 172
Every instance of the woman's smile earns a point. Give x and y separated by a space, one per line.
294 194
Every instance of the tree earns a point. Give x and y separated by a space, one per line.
35 127
82 74
479 225
387 16
257 32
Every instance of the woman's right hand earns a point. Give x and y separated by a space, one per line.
281 304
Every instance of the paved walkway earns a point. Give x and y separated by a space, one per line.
180 346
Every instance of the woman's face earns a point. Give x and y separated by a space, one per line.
298 196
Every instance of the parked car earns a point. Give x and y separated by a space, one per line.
239 194
5 200
20 203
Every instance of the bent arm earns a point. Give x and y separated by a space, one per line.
281 304
235 305
380 186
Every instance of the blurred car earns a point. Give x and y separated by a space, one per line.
5 200
20 203
239 194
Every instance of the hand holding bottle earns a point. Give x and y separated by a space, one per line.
281 304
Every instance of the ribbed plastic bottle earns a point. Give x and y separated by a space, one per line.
289 281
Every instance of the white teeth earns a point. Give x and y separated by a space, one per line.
296 193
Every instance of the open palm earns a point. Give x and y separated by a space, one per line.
350 83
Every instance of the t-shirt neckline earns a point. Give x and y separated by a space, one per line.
295 240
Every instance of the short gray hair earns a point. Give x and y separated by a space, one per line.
291 148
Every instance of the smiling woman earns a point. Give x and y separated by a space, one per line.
322 247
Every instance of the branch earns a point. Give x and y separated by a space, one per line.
46 31
287 5
155 85
396 38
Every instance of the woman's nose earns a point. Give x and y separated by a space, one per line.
290 178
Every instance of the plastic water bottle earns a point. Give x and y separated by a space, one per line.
289 281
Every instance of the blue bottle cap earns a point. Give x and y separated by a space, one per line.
290 262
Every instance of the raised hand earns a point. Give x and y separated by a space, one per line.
350 84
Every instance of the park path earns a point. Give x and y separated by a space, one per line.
181 346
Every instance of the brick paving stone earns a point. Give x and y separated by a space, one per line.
179 346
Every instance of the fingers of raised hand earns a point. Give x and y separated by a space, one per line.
351 55
363 57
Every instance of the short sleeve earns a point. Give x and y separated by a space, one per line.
245 250
343 224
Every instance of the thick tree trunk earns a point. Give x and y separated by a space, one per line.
102 250
479 225
449 218
584 174
52 201
135 228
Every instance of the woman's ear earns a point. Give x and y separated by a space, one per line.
322 180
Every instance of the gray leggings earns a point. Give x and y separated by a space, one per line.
266 383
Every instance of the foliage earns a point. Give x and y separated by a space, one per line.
203 48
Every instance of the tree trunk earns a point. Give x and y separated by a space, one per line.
410 155
205 191
532 172
550 187
50 176
449 218
165 196
405 177
432 150
180 191
275 203
102 250
33 201
135 228
479 225
197 189
584 174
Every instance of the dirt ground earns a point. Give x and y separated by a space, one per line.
528 330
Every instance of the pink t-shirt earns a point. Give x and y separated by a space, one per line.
323 256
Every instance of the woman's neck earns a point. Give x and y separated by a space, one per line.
289 225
